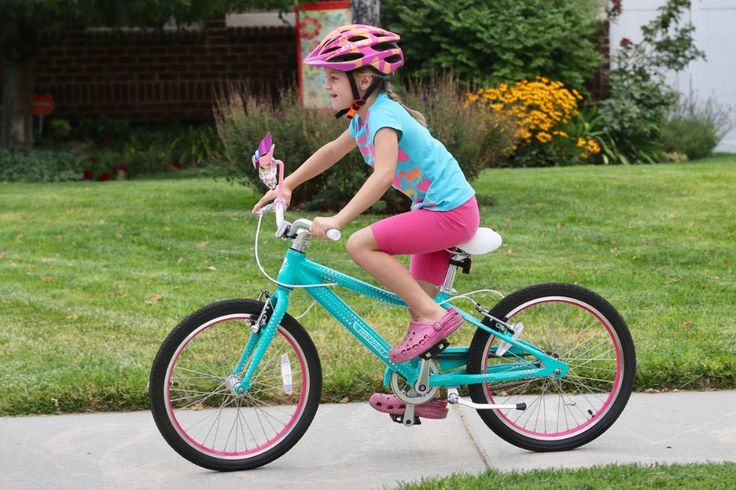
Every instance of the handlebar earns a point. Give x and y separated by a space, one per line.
284 229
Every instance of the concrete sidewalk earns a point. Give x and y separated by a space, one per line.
352 446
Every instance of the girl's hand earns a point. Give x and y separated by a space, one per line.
271 195
321 225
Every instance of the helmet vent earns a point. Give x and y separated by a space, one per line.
348 57
385 46
355 39
393 58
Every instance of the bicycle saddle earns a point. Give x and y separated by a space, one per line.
484 241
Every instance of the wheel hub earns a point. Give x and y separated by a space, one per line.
232 383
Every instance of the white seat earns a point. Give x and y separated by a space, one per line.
484 241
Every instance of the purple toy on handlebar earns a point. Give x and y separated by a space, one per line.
270 169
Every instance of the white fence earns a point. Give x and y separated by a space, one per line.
714 22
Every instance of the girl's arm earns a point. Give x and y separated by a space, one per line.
384 167
321 160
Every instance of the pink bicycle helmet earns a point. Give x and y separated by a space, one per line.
356 45
353 46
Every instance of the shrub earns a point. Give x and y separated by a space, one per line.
497 41
40 166
694 128
59 129
475 139
639 98
547 121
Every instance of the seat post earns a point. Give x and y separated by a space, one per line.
447 285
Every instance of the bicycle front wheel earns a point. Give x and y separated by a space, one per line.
195 407
582 329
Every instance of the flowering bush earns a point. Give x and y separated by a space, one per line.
546 114
103 166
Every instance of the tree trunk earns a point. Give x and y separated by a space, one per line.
366 12
16 120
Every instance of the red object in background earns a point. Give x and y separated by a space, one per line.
43 104
309 32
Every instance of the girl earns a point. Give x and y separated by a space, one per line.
393 139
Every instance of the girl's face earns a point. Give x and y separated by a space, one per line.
338 87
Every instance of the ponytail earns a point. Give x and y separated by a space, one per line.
388 88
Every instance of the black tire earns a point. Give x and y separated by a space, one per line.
192 404
595 342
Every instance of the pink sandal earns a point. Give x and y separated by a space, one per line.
423 336
436 409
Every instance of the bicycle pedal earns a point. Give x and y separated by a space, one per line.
436 349
399 419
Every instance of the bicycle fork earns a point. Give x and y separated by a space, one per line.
258 341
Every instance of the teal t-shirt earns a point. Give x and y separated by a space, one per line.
426 172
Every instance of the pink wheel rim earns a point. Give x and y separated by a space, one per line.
595 418
271 442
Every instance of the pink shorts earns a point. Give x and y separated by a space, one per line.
425 235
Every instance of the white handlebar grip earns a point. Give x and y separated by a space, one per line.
333 234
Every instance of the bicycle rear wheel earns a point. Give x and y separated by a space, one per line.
191 393
580 328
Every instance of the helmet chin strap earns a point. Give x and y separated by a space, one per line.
358 101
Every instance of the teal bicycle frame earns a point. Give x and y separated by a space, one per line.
298 270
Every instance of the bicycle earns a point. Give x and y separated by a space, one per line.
237 383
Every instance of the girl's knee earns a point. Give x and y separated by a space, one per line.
360 242
353 246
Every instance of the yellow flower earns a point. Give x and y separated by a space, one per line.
544 137
541 107
593 146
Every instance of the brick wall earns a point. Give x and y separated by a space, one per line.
147 75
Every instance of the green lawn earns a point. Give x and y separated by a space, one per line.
93 275
694 476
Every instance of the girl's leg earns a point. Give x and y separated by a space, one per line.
364 250
429 288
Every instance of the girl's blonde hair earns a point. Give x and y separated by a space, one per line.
388 88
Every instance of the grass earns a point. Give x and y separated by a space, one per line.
712 476
94 275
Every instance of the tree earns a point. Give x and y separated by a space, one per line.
366 12
22 22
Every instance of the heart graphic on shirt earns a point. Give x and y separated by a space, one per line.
412 176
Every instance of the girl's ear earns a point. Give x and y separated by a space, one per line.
365 80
